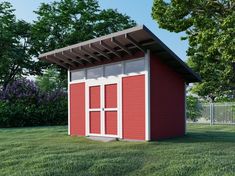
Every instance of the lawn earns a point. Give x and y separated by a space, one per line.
205 150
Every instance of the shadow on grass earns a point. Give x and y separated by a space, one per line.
209 136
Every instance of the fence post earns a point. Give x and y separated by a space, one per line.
232 114
211 114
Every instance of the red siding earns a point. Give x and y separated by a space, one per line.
133 107
77 109
111 122
167 101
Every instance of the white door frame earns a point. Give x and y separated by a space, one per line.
102 82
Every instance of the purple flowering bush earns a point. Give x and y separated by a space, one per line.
20 90
22 103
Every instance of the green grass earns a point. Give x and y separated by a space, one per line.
49 151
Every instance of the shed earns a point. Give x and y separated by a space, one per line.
126 85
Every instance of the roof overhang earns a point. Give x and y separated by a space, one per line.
116 46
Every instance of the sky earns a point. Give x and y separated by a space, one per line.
138 10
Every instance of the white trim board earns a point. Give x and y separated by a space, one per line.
68 102
147 96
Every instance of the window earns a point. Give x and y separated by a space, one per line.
94 73
113 70
77 75
134 66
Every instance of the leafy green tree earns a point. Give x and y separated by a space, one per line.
15 60
66 22
210 29
50 80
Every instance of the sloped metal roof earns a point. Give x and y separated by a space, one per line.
116 46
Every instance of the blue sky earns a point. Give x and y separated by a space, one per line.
138 10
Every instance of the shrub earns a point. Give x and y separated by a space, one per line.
22 103
21 89
193 108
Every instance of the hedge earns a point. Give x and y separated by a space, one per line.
22 104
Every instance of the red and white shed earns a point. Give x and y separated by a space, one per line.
127 85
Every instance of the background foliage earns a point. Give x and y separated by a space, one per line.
23 103
193 111
51 80
210 29
58 24
66 22
15 59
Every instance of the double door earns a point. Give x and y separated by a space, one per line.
103 108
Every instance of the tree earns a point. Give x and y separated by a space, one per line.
66 22
15 60
50 80
210 29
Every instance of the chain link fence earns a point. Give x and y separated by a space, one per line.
216 113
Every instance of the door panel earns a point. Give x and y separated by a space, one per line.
111 122
94 97
95 122
95 109
111 111
110 96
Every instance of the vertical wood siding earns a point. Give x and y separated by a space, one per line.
77 109
133 104
167 101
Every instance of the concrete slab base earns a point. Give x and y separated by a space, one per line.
102 139
132 140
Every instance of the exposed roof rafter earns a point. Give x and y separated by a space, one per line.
66 60
89 53
68 55
75 52
104 45
56 62
135 43
99 51
121 46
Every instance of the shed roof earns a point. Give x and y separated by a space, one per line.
117 45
